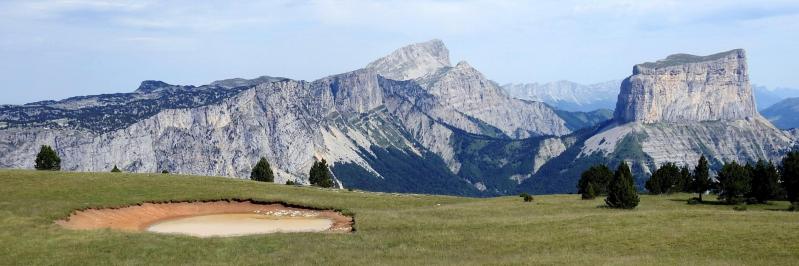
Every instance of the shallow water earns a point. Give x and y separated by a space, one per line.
238 224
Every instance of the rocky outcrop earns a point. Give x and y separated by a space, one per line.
685 87
413 61
686 106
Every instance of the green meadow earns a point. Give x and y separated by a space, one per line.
405 229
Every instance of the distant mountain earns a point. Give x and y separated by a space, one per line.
407 122
784 114
567 95
672 110
766 97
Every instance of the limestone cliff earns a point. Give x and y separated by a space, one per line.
688 88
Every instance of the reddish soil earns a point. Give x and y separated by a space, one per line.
140 217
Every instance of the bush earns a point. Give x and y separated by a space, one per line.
47 159
621 190
262 171
165 172
528 198
116 170
739 207
320 175
290 183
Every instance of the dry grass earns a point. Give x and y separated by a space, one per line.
391 229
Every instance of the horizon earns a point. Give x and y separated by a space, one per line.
54 50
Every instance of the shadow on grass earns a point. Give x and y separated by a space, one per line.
703 202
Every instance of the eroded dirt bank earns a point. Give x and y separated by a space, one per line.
140 217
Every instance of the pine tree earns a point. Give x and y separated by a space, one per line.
701 180
320 174
790 175
621 190
764 181
734 182
594 181
116 170
686 179
47 159
666 179
262 171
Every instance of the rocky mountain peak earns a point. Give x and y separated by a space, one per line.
413 61
148 86
686 87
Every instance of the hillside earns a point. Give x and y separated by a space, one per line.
783 114
390 228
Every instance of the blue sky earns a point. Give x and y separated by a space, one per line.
58 49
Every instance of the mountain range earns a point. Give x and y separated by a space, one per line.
407 122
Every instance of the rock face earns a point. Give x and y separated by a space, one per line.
391 126
688 88
567 95
413 61
673 110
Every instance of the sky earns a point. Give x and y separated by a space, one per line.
56 49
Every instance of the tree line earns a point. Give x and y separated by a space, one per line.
751 183
319 175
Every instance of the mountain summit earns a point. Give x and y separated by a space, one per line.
413 61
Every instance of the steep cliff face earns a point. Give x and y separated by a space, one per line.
688 88
673 110
466 99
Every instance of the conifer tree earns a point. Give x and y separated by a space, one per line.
594 181
764 181
47 159
621 190
686 179
734 182
790 175
262 171
116 170
320 174
701 178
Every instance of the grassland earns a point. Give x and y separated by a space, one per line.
391 229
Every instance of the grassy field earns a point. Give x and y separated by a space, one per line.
391 229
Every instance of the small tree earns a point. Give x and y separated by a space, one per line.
594 181
116 170
262 171
764 181
320 174
734 182
621 190
165 171
47 159
701 178
790 175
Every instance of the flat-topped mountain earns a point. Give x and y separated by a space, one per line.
688 88
673 110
